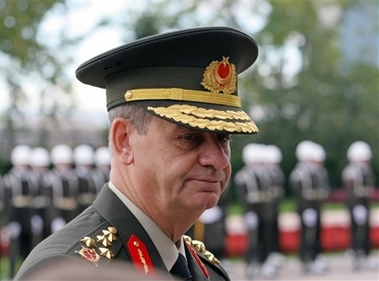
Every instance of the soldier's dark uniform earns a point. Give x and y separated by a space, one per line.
2 203
40 162
275 259
359 182
19 193
64 185
253 183
102 167
309 181
84 163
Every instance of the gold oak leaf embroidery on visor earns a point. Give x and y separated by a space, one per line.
196 117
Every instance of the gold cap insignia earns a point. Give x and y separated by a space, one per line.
220 77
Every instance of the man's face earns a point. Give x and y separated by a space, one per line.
177 169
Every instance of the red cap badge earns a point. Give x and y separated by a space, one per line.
220 77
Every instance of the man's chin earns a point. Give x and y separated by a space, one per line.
209 200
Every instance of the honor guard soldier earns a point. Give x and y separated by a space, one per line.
64 185
103 166
19 194
272 160
310 184
173 105
359 182
40 165
253 183
2 197
84 163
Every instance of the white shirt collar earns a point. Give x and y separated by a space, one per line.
165 246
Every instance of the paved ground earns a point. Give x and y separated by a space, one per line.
339 270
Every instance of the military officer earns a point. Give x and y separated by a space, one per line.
272 160
2 195
64 185
310 184
84 164
173 105
19 191
359 181
259 187
40 165
101 171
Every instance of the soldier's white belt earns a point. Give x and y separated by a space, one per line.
41 201
22 201
86 198
66 203
362 191
258 197
314 194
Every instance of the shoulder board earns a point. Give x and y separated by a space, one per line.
99 246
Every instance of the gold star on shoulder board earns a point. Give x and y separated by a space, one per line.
88 241
109 235
106 253
103 240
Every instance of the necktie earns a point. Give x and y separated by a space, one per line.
180 268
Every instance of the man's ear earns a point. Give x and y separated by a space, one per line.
120 138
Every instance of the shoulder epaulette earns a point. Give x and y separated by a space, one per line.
200 247
99 246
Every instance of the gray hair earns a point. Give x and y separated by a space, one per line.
132 112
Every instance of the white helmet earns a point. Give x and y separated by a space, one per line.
359 151
318 153
84 155
102 156
39 157
310 151
253 153
20 155
273 154
246 153
61 154
304 150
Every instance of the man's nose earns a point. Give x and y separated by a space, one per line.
215 154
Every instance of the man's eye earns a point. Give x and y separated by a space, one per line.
191 137
224 137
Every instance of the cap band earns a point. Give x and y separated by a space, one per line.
182 95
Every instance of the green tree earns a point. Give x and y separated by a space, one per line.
320 101
31 63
